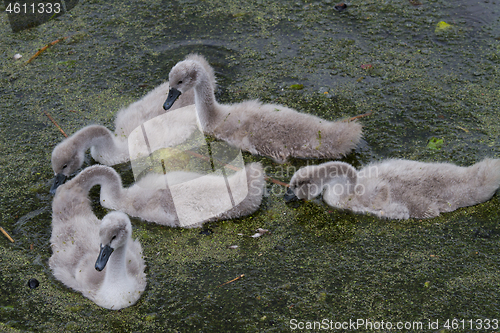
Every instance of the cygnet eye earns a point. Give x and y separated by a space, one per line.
113 237
64 166
180 82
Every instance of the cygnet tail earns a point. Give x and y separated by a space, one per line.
64 275
337 139
487 175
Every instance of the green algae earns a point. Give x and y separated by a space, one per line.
297 86
435 143
316 262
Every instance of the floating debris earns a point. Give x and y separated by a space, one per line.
435 143
17 56
33 283
55 123
260 232
233 247
442 26
6 234
297 86
367 66
239 277
357 117
340 7
45 48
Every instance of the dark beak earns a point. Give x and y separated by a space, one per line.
58 181
173 94
103 258
290 196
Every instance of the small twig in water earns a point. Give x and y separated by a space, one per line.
239 277
6 234
357 117
272 180
45 48
53 121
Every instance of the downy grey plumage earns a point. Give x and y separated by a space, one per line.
398 189
263 129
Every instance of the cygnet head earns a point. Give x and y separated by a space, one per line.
66 159
186 74
305 184
182 77
310 181
114 233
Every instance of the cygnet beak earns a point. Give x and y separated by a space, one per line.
290 196
173 94
58 181
103 257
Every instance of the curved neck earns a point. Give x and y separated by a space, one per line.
94 136
106 177
206 105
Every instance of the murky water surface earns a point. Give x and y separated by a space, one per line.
317 263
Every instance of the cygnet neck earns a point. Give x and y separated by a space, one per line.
106 177
116 268
207 108
94 135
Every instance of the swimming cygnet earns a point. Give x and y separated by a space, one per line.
263 129
112 148
398 189
191 200
97 258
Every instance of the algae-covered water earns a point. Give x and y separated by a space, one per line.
434 93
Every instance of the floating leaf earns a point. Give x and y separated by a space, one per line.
297 86
442 26
367 66
435 143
